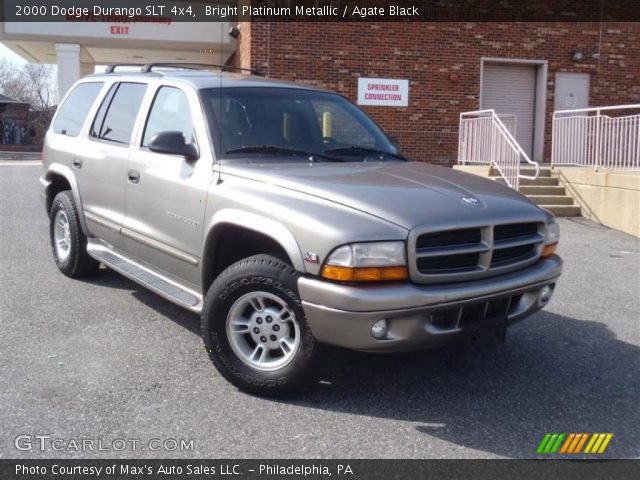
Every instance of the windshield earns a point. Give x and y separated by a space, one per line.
277 122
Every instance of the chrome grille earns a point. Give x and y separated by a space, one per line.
449 238
512 254
515 243
448 263
513 230
473 252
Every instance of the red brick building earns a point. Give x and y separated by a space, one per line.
527 69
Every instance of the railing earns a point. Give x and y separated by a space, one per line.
590 137
485 137
510 121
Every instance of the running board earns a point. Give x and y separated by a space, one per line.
144 276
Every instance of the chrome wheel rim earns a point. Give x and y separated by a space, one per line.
263 331
61 235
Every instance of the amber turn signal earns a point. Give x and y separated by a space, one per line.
364 274
549 250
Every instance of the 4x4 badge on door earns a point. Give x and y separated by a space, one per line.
471 200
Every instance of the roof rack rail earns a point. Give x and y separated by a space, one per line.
200 66
111 68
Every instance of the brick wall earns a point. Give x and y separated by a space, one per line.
442 63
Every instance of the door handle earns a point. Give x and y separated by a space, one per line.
77 163
134 176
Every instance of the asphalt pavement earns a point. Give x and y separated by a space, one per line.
102 359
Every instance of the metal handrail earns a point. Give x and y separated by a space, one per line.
599 141
630 106
508 165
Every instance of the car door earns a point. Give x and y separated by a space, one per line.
103 157
166 194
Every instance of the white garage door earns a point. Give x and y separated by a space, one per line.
511 89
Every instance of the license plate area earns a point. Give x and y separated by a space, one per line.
481 328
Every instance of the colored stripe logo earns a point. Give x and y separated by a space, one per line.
574 443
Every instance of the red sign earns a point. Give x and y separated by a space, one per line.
119 30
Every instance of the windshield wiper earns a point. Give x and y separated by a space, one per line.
279 150
272 149
356 150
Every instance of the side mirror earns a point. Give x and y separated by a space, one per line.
173 143
394 141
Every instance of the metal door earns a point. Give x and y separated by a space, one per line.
572 91
510 88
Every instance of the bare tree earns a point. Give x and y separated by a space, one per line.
8 74
32 83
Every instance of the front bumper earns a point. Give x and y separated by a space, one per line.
421 316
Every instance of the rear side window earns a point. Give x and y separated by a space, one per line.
73 112
102 111
170 112
117 115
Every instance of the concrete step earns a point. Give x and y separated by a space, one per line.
539 181
546 191
551 199
551 181
564 210
544 172
542 190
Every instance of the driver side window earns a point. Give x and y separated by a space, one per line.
169 112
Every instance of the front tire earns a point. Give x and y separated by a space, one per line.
254 328
68 242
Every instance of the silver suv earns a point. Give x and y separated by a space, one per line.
286 217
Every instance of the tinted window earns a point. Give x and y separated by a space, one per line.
116 125
170 112
343 126
102 111
73 112
298 119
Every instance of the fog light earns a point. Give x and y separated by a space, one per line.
379 329
545 294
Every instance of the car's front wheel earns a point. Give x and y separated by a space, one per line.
255 330
68 242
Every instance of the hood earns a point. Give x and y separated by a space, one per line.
408 194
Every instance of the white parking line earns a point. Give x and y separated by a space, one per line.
20 163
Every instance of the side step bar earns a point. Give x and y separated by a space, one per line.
164 287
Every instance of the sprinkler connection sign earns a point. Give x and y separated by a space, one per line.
385 92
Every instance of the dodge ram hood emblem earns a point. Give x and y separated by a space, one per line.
471 200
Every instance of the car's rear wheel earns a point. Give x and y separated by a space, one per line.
255 330
68 242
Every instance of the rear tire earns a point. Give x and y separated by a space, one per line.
255 330
68 242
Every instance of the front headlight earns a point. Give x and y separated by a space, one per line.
367 262
553 233
552 237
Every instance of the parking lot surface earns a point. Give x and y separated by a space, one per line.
104 359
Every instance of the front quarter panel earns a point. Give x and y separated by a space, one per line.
267 226
300 223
